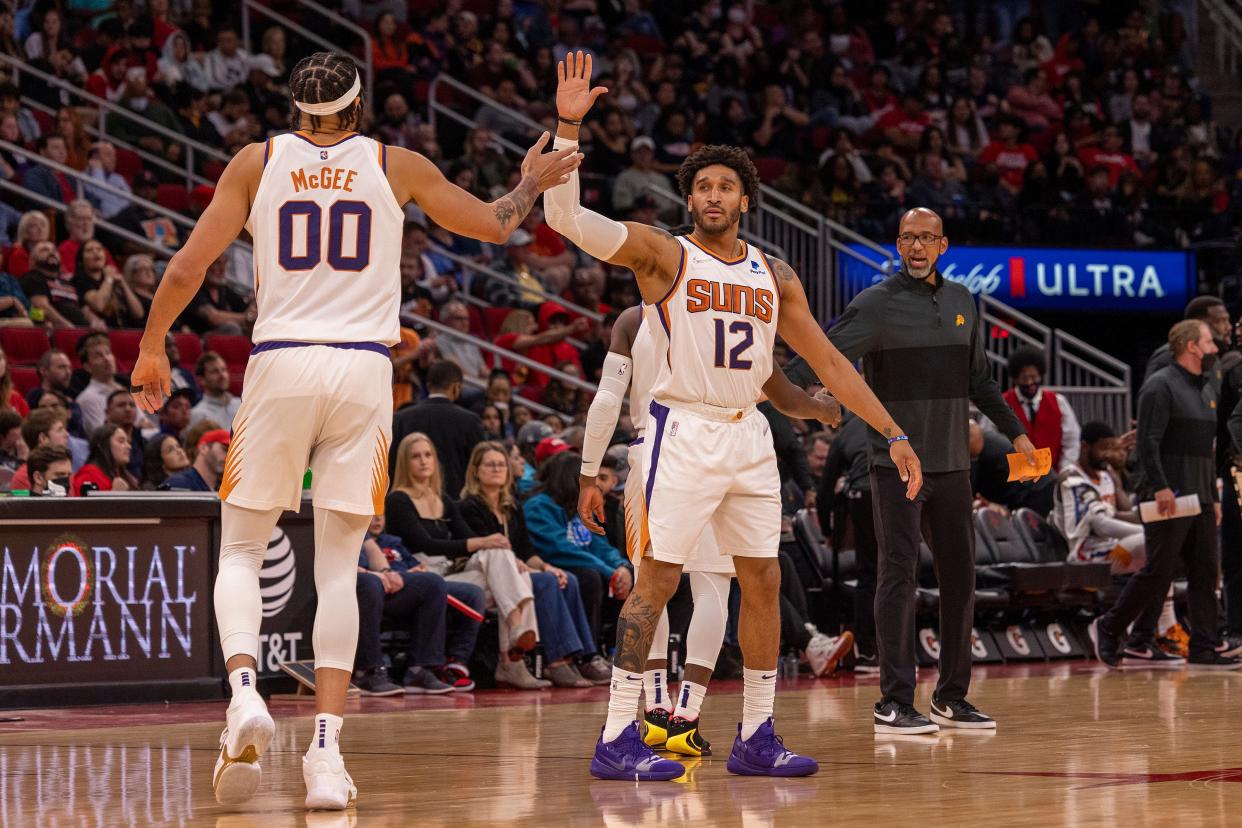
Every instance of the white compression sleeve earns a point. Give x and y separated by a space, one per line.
711 614
244 535
338 537
598 235
601 419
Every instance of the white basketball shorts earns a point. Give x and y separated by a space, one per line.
322 407
706 557
706 466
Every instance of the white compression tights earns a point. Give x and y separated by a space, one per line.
239 607
707 624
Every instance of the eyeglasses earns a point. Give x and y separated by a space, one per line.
495 465
924 239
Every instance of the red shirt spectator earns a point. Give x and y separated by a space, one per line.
520 333
904 125
1010 157
1032 103
1110 154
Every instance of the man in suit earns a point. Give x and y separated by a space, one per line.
453 430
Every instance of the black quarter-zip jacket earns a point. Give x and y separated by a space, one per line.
1177 434
921 347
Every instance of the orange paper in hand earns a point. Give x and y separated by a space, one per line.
1019 468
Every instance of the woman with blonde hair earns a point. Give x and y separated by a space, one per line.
489 505
32 228
432 528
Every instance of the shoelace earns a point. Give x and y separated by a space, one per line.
771 748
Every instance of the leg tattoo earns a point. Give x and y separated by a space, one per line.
635 629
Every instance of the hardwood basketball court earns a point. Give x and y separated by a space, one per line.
1075 745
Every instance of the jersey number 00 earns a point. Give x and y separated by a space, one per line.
292 211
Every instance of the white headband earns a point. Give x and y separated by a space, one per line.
332 107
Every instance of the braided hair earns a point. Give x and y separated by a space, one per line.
323 77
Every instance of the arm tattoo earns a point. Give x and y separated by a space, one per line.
888 432
783 271
635 629
516 204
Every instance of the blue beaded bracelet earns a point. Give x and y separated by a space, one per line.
897 439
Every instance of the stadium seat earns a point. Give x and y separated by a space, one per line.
173 196
191 347
493 318
67 340
770 169
125 348
235 382
234 349
1050 546
1014 559
128 164
24 378
23 346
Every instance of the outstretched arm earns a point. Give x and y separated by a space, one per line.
216 229
413 177
602 417
648 251
798 327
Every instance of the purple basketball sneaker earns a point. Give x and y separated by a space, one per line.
626 758
764 754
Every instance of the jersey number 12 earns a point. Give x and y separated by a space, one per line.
735 353
311 229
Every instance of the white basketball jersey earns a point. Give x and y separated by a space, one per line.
327 243
645 355
717 326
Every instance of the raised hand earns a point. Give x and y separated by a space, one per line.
549 169
574 94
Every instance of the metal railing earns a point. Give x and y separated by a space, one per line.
512 356
495 275
148 157
105 107
1225 22
368 59
156 249
1097 385
84 182
808 241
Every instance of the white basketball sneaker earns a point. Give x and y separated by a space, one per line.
247 733
328 785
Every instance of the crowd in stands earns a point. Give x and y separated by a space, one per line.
1082 124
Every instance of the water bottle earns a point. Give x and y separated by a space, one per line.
787 667
674 657
536 661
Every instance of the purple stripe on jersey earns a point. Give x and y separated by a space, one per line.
325 146
660 413
277 344
637 442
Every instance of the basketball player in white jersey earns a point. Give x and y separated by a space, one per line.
324 207
708 455
632 359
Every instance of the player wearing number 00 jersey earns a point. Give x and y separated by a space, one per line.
324 207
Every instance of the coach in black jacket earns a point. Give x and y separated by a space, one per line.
453 430
921 344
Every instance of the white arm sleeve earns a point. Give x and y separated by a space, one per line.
598 235
605 408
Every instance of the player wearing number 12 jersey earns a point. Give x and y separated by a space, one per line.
707 454
323 205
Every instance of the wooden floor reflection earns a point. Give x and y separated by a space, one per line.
1076 746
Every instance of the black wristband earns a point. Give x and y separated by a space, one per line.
569 121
